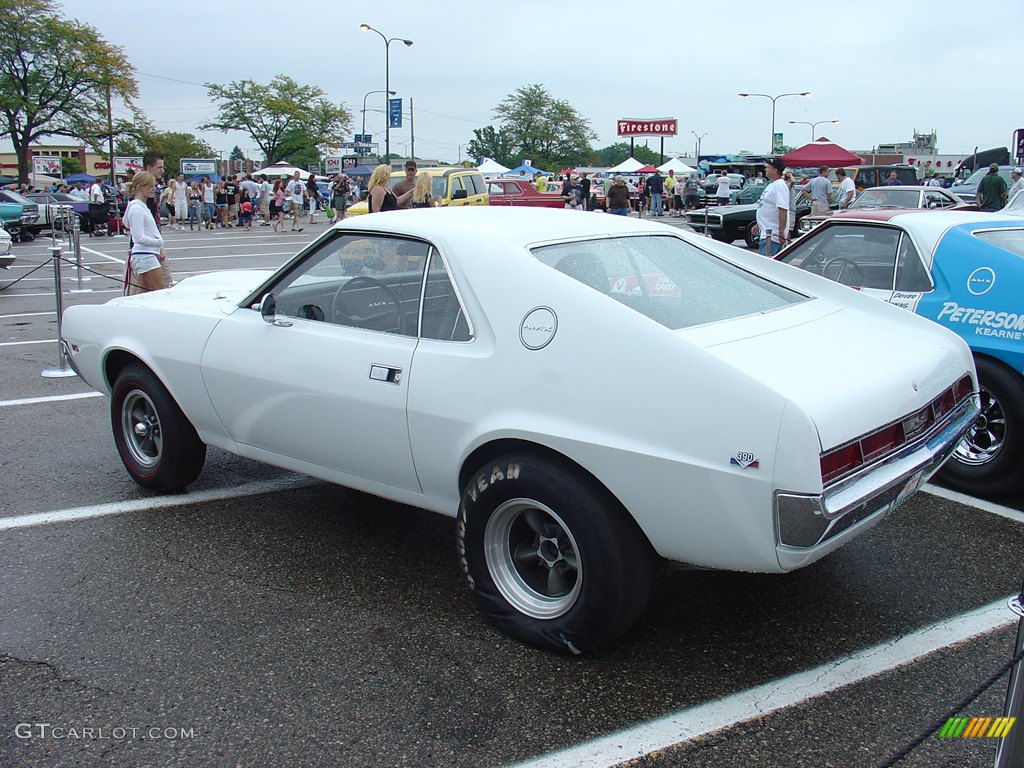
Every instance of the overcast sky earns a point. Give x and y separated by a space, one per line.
883 68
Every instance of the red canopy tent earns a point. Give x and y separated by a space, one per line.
645 169
821 152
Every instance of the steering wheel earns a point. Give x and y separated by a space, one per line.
372 308
842 266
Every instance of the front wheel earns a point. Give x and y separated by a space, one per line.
988 460
750 237
157 444
553 558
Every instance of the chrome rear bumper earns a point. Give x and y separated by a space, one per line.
806 521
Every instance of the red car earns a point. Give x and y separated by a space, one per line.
521 192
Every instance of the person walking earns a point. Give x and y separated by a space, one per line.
220 194
277 204
847 189
195 202
773 210
147 244
992 192
819 192
585 192
1017 185
670 192
722 193
232 188
297 191
181 200
167 204
691 193
264 201
339 198
209 203
313 196
656 188
617 197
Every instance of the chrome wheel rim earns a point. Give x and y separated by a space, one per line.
533 559
140 426
987 434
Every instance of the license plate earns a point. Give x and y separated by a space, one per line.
908 490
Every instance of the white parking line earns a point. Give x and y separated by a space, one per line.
688 724
988 506
22 343
49 399
86 249
50 294
26 314
286 483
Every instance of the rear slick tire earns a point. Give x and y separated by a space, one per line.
554 559
156 442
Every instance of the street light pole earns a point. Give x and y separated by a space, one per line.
696 156
813 125
387 81
370 93
771 145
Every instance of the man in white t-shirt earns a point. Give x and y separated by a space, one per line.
96 194
847 189
297 190
773 210
722 193
265 200
935 180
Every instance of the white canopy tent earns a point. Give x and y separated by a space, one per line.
677 165
280 171
491 167
629 165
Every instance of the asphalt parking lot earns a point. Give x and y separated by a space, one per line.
265 619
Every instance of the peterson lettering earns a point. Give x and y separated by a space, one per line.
953 313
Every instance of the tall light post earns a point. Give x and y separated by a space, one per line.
389 93
696 154
771 146
813 125
387 80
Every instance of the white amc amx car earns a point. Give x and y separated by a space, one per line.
587 394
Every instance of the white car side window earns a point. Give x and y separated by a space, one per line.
363 281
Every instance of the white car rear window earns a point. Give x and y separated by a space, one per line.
667 279
1011 240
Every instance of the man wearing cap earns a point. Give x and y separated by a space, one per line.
1018 182
773 210
406 185
617 197
992 190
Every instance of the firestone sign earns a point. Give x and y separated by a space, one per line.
659 126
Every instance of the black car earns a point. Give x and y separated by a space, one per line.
727 223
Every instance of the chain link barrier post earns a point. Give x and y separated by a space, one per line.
1010 753
75 236
62 370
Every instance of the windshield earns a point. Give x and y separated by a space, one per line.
14 197
978 175
667 279
887 198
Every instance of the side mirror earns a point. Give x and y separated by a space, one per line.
268 308
460 194
268 311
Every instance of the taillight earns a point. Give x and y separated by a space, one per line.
883 441
918 422
945 403
840 461
963 388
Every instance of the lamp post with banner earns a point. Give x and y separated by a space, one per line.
387 78
773 100
370 93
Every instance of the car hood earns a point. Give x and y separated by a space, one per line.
837 362
737 208
216 291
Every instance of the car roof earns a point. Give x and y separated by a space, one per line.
912 187
439 171
927 226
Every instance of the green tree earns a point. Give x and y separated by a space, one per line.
493 143
69 166
55 75
614 154
299 150
270 113
236 153
173 144
547 130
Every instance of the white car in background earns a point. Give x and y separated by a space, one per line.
586 394
6 256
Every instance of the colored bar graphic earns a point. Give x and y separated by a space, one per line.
977 727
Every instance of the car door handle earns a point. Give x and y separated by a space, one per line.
386 374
